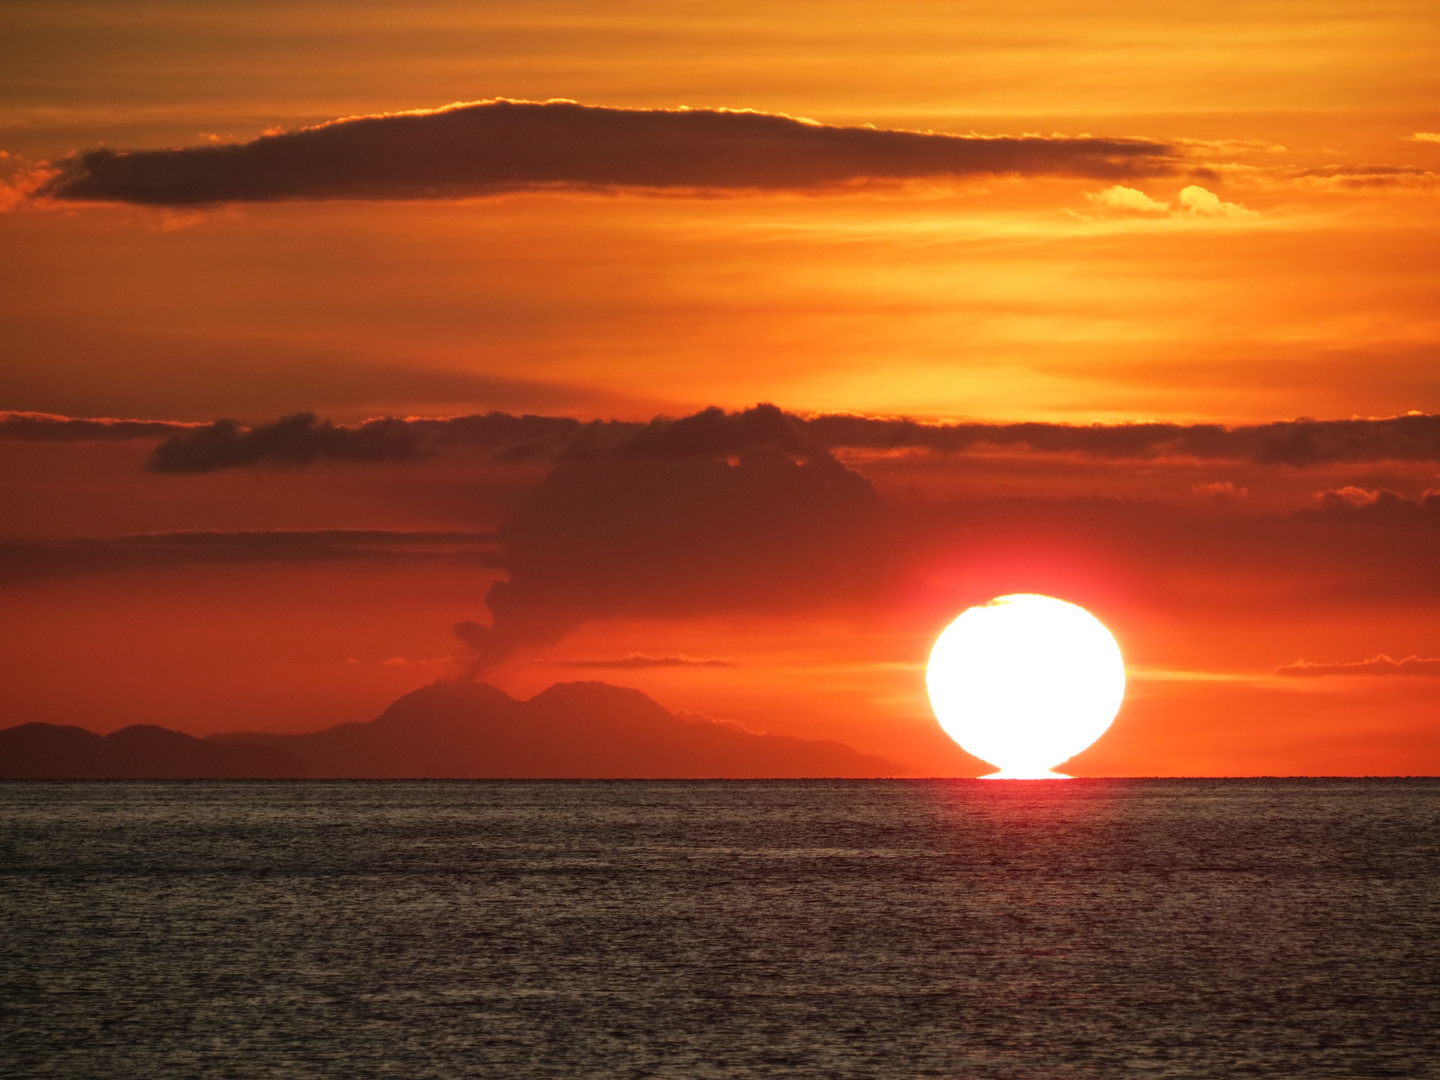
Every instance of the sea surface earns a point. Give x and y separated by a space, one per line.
1089 928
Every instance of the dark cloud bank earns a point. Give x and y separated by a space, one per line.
497 146
751 513
720 513
304 439
628 535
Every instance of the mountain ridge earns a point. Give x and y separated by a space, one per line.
450 730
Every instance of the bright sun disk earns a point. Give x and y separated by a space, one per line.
1025 682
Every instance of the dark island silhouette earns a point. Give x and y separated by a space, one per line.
579 730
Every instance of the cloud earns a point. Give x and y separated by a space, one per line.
1362 179
489 147
1376 665
709 527
1353 178
1231 146
302 439
1383 507
1221 491
629 535
630 538
1400 178
28 562
23 183
1354 498
46 427
750 512
1296 443
1426 136
715 433
293 440
1198 202
1127 199
637 661
1192 202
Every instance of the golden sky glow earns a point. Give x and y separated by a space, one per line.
1269 252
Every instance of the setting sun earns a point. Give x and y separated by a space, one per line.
1025 682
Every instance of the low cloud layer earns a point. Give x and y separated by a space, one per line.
1297 443
496 146
303 439
1376 665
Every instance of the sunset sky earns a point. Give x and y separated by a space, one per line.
940 242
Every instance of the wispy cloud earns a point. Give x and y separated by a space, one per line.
638 661
1369 178
1376 665
1335 179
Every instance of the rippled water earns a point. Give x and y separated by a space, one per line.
960 929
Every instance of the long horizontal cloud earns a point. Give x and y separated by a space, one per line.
495 146
302 439
1376 665
1284 442
28 562
1369 178
47 427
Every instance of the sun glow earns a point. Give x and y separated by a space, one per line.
1025 682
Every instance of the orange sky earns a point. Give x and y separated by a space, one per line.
1275 259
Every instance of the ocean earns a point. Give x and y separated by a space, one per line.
948 928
